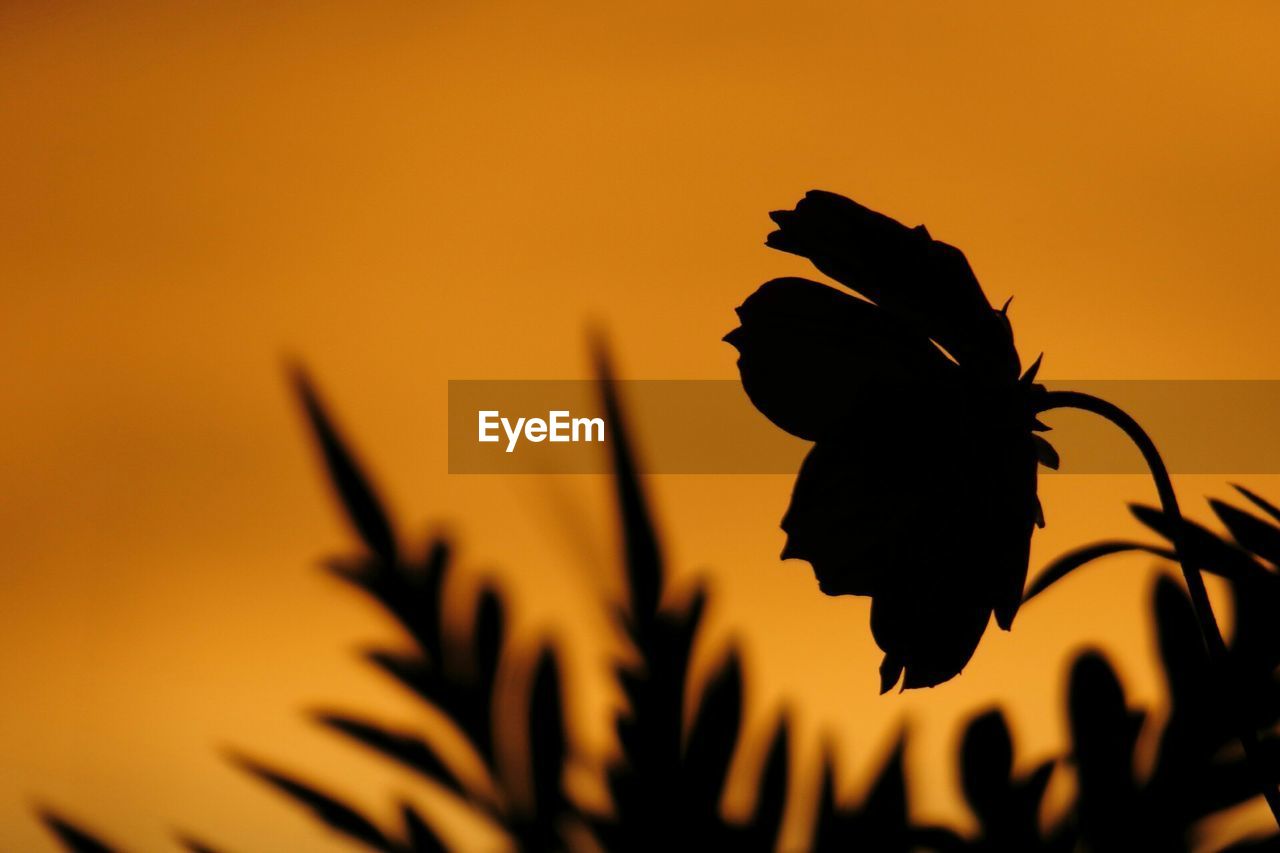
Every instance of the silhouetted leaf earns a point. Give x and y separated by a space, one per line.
547 736
406 667
466 700
887 798
1190 779
1260 502
771 797
881 822
1187 670
835 827
1007 807
72 837
1255 589
475 711
447 695
1103 734
1072 560
650 727
1037 782
1046 453
641 551
1217 556
410 593
1250 532
408 749
335 814
422 839
1214 554
650 732
712 737
487 637
358 496
987 765
435 569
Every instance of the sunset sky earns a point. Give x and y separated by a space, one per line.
403 193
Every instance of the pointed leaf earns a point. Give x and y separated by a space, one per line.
1030 375
1103 734
887 799
408 749
422 838
73 838
335 814
828 831
358 496
435 570
1036 783
1215 555
1187 669
1046 454
407 668
1072 560
1250 532
1260 502
987 765
890 672
486 639
712 738
642 552
547 736
771 800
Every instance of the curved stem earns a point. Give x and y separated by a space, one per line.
1209 630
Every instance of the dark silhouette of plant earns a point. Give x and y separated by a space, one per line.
1007 806
1195 773
72 837
905 437
76 839
920 488
456 674
668 781
668 785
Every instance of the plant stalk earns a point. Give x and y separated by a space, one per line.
1209 630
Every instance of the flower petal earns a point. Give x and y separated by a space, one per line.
808 353
927 506
935 638
927 283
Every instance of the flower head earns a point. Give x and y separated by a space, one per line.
920 488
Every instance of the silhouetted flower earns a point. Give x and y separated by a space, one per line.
920 489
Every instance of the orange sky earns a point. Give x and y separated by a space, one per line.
405 193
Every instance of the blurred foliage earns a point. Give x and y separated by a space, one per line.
669 779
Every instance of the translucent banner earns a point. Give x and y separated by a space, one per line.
710 427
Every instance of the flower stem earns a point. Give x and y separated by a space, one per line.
1209 630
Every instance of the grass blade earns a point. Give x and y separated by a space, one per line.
72 837
330 811
359 499
1072 560
641 550
422 838
408 749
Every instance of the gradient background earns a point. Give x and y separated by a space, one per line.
404 193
